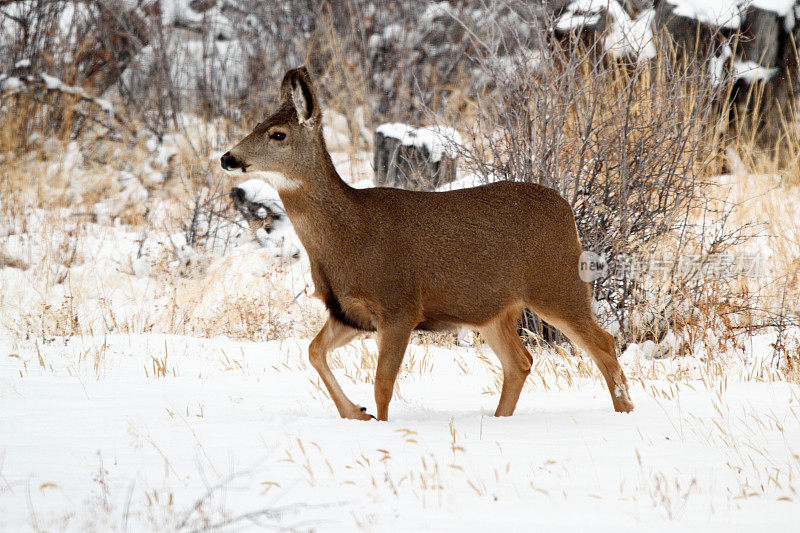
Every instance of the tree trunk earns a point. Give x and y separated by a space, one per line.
400 163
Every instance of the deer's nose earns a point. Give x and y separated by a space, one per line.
229 162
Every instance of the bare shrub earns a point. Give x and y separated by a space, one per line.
206 225
625 143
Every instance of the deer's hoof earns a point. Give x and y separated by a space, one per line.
359 413
619 395
364 413
623 405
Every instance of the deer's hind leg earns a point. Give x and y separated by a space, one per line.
581 328
333 335
501 335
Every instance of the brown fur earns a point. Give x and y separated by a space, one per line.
393 261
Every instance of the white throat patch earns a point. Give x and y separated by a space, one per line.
279 181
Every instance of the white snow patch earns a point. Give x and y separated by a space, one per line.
140 266
750 71
439 141
393 32
728 13
105 105
625 37
716 66
721 13
433 11
133 192
631 37
11 83
55 84
465 337
466 182
782 7
260 192
570 22
643 351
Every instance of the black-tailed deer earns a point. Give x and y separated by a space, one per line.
392 261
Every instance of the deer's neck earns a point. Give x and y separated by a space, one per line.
322 209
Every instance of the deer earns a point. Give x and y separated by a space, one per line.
393 261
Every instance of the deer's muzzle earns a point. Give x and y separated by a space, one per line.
229 162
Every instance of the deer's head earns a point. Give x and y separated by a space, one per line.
288 143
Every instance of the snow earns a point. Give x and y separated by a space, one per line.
571 22
781 7
164 432
438 140
748 71
722 13
259 192
631 37
728 13
105 105
10 83
393 32
140 267
464 182
69 163
716 66
433 11
751 71
398 130
180 13
55 84
133 192
70 16
581 13
625 36
591 6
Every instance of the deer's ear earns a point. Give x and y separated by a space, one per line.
298 90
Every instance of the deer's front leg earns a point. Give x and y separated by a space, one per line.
333 335
392 342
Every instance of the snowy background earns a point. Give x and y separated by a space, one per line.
153 340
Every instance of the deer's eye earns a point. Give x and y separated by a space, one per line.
277 136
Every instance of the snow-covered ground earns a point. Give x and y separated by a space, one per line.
168 432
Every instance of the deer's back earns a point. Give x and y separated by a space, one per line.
524 217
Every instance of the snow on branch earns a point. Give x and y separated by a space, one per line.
36 84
